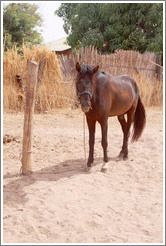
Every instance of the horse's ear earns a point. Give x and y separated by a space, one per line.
78 67
95 69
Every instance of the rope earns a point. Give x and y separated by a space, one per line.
46 81
20 172
21 168
84 136
66 98
153 63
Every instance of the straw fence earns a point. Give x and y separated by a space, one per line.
121 62
145 68
50 88
56 75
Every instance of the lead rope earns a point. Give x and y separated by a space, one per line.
84 137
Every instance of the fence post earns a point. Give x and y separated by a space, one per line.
28 117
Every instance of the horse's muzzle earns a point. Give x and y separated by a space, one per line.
85 103
86 107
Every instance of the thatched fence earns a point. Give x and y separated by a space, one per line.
56 75
50 86
121 62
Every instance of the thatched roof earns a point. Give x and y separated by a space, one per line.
58 45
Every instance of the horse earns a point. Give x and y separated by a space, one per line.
102 96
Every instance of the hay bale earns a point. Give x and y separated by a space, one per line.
17 63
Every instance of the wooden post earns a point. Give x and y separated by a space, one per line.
28 118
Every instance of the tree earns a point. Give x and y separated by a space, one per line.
112 26
20 21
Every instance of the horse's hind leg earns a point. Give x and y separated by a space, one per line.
126 131
124 152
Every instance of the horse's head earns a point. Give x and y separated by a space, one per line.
85 85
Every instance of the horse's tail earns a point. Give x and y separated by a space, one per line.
139 121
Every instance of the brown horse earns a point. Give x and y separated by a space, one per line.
102 96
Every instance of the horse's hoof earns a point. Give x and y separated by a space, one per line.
104 168
118 158
88 169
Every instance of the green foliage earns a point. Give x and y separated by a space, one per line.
112 26
19 24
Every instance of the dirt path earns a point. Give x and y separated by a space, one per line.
61 203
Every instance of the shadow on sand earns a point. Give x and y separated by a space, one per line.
14 191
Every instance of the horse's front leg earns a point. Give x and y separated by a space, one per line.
104 143
91 126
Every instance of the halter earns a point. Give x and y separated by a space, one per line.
83 93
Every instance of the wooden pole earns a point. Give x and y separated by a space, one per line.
28 117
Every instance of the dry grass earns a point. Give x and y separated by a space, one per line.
151 92
13 98
54 95
14 63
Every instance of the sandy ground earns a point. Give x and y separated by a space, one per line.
61 203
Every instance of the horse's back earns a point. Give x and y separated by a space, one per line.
125 80
125 76
118 81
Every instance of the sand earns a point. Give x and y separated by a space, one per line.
62 203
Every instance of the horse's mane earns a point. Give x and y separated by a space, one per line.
85 69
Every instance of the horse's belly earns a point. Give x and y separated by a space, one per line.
122 99
120 107
119 111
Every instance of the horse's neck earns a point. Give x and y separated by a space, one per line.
96 100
